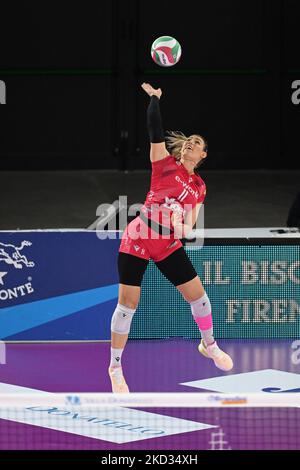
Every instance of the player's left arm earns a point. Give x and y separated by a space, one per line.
192 216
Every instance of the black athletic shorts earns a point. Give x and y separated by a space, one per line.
177 268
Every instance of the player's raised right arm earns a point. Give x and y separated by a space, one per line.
158 149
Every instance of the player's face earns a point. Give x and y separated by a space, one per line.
193 149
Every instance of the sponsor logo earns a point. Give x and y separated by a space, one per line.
136 247
16 292
241 401
103 421
1 277
187 189
228 400
73 400
172 204
13 255
279 390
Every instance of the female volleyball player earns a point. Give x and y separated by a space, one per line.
168 214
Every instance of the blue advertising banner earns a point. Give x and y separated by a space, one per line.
57 285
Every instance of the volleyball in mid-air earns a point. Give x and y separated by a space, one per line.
166 51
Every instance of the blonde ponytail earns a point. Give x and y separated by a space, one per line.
174 142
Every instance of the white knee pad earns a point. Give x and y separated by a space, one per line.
201 307
121 319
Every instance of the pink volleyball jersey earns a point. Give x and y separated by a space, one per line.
172 189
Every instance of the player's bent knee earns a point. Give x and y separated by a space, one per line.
192 290
121 319
129 296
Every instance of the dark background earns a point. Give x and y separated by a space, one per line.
73 73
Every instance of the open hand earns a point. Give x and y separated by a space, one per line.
150 90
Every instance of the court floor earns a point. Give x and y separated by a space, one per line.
172 365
